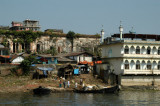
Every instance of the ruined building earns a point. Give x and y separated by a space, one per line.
46 42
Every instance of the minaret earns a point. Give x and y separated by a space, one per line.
102 35
121 30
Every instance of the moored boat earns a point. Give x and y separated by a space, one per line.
41 91
113 89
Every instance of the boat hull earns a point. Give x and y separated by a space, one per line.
104 90
41 91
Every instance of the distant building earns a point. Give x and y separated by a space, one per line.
4 27
26 25
31 25
18 26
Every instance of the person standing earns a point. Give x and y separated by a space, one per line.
68 83
60 83
81 81
64 83
76 85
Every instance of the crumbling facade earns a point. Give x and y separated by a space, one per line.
62 44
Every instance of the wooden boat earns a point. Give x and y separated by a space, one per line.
113 89
41 91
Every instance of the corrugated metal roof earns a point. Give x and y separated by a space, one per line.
71 54
44 55
64 59
1 46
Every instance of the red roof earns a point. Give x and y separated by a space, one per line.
5 56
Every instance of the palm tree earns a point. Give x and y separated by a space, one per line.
71 36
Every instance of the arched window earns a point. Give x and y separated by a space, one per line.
154 50
59 49
149 65
159 51
143 64
138 65
126 64
159 65
137 50
132 65
126 50
14 47
154 65
148 50
132 50
39 47
143 50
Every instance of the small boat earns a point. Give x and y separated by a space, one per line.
41 91
113 89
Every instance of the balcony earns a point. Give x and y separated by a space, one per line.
141 55
140 72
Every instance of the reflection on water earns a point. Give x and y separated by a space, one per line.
67 99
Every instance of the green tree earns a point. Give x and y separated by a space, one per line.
52 51
71 36
26 64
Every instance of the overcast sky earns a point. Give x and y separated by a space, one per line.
85 16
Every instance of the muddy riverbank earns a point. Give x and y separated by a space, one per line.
11 84
27 84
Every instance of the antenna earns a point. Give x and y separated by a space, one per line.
132 31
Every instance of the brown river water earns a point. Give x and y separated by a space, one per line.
124 98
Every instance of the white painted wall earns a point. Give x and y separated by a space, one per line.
139 80
116 64
82 58
117 57
113 50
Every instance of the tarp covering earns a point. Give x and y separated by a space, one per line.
45 69
81 66
76 71
33 65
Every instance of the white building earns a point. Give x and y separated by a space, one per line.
134 57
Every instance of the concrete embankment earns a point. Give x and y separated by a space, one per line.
142 88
